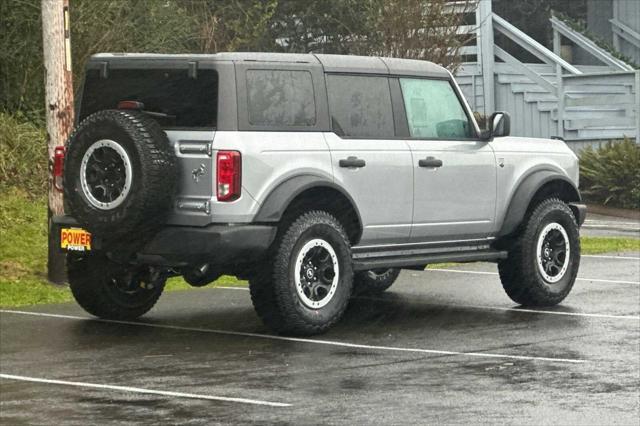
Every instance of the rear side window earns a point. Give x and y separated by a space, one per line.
280 98
433 110
186 101
360 106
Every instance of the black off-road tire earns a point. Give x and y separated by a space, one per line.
519 273
93 279
273 290
263 297
153 182
375 281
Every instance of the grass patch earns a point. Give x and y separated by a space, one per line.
23 154
597 245
23 253
441 265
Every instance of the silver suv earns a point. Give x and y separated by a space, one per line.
310 176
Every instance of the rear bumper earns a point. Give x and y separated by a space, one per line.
579 211
181 245
217 244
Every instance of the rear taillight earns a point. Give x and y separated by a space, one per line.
228 175
58 167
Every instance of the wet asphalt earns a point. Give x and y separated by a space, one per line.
438 347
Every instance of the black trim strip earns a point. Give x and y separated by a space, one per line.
422 245
420 251
484 255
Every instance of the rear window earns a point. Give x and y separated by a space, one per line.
187 102
280 98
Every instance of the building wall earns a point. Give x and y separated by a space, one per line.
599 12
628 13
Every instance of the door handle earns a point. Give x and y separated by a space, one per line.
352 162
430 162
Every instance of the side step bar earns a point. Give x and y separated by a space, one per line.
366 263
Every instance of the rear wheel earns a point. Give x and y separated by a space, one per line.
375 280
543 263
306 288
113 291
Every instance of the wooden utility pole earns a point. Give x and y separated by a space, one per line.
56 44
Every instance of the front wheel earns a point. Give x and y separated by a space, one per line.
543 263
109 290
311 277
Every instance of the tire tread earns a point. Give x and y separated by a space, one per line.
518 273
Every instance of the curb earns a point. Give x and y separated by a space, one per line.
612 211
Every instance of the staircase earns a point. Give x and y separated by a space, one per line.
582 104
596 106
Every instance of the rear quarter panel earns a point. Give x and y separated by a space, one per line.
268 159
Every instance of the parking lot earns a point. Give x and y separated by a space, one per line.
440 346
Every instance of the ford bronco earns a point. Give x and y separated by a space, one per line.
311 176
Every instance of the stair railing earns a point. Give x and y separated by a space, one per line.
542 53
587 45
531 45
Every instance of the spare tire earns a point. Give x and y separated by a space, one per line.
120 174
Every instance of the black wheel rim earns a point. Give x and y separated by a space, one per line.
316 273
553 252
105 174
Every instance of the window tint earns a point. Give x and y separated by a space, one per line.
360 106
433 110
188 102
280 98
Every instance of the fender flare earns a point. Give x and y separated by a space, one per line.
525 193
282 195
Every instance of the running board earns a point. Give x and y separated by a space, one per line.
362 263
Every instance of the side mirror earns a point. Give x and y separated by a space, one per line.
500 123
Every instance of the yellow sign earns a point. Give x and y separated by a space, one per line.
75 239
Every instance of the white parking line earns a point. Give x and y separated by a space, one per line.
617 227
142 390
611 222
492 308
598 280
502 308
304 340
598 256
231 288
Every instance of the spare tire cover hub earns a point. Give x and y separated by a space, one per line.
106 174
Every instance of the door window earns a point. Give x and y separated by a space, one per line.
434 110
360 106
280 98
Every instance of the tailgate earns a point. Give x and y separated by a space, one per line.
196 176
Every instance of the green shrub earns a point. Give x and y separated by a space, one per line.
611 174
23 155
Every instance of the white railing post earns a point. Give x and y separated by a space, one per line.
557 49
484 21
638 107
616 38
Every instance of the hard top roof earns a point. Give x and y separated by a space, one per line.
330 63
